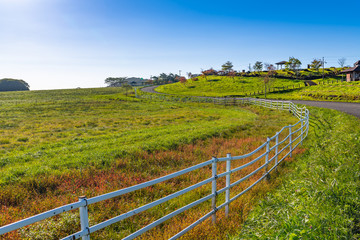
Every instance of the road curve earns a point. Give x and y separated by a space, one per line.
350 108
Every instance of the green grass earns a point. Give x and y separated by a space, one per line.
320 197
332 89
224 86
58 145
341 91
51 131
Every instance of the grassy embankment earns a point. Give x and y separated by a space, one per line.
58 145
332 89
218 86
341 91
320 197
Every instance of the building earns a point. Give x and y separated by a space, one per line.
133 81
353 73
280 64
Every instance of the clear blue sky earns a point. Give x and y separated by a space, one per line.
78 43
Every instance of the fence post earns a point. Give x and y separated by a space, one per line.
227 194
84 218
213 190
302 126
290 140
276 149
267 157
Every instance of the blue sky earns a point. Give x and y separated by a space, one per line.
78 43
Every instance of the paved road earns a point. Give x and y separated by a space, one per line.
350 108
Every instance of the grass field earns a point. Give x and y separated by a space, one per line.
320 197
332 89
341 91
58 145
224 86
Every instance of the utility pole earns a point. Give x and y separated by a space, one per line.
179 72
323 63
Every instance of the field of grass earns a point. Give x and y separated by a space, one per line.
220 86
332 89
341 91
320 197
58 145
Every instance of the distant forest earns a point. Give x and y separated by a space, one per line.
9 84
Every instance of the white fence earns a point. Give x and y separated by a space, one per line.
274 153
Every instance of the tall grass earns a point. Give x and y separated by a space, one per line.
320 197
90 142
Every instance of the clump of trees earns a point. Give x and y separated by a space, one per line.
9 84
164 78
115 81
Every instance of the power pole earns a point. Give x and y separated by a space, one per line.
323 63
179 72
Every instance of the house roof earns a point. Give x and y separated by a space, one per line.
352 69
280 63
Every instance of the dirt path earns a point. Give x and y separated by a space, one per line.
350 108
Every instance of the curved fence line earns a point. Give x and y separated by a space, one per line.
272 153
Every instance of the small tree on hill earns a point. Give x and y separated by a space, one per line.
115 81
127 87
258 66
182 80
9 84
293 64
316 64
232 74
227 67
342 62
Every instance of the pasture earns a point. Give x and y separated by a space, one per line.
61 144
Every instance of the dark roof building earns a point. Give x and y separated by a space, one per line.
280 64
353 73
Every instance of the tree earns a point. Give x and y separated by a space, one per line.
9 84
341 62
127 87
232 74
316 64
227 67
258 66
293 64
115 81
182 80
266 66
189 74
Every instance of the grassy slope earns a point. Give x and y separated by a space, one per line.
319 199
342 91
58 145
40 135
223 86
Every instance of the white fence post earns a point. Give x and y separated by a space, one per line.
276 150
290 140
213 202
267 156
227 194
84 218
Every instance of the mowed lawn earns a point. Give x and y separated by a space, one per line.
61 144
